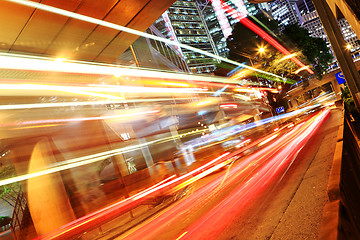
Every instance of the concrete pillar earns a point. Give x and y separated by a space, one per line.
120 161
147 155
336 88
338 44
48 202
349 14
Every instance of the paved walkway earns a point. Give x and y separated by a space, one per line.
294 208
302 218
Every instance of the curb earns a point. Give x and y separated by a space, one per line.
329 221
329 228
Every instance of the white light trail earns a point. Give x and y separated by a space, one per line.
100 88
33 63
64 120
71 104
129 30
80 161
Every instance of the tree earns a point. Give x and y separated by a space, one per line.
314 49
9 192
244 43
348 101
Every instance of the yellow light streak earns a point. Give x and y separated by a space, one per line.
182 235
36 63
268 140
301 69
176 84
288 57
246 98
39 126
202 103
90 90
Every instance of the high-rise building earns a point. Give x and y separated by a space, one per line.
186 24
305 6
220 19
205 25
149 53
285 11
312 23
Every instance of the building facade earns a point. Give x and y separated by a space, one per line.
305 6
185 23
285 11
205 25
312 23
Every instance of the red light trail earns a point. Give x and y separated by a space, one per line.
255 173
213 223
253 27
266 166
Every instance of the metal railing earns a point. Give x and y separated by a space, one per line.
21 224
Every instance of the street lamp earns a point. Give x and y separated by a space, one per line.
261 50
348 47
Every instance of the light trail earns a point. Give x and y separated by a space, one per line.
129 30
243 97
81 161
108 213
66 120
246 22
100 88
261 169
268 140
233 130
72 104
214 221
98 157
35 63
92 220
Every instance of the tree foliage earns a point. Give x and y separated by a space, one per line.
314 49
9 192
244 44
348 100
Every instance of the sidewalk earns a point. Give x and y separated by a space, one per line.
293 209
302 218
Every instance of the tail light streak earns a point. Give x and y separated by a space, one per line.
231 207
266 164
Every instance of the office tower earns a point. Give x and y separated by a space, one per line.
312 23
186 24
149 53
221 16
305 6
285 11
205 25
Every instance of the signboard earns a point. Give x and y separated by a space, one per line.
340 78
280 109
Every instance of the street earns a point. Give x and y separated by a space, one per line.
266 195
